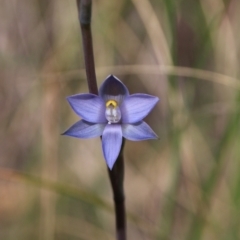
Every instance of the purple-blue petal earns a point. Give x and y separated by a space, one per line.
84 129
111 143
88 106
138 131
113 89
136 107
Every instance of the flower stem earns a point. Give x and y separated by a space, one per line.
116 175
84 15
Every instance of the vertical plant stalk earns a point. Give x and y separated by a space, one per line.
116 175
84 16
50 132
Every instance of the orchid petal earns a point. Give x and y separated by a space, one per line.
88 106
113 89
138 131
136 107
111 143
84 129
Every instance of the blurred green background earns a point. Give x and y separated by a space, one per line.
186 185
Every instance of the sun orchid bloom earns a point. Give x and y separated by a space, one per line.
113 114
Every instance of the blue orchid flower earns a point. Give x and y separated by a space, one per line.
113 114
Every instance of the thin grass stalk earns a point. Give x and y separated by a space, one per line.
50 132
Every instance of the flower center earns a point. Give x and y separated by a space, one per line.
112 113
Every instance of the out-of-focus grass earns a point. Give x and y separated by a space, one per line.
184 186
